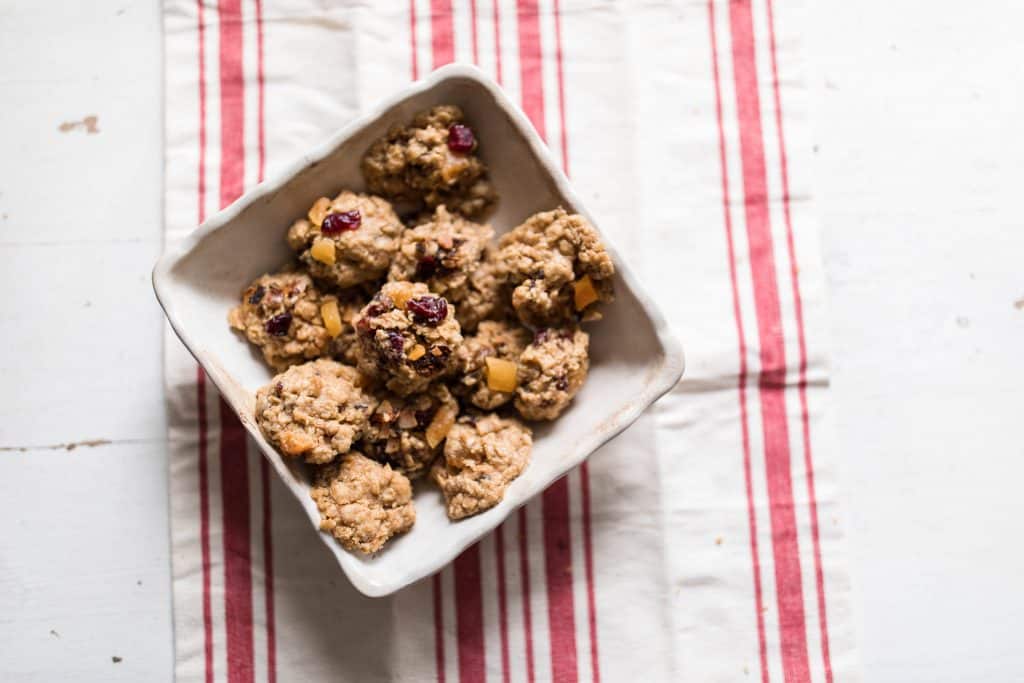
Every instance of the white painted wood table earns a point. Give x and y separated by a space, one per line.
920 163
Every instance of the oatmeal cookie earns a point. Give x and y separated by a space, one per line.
407 337
482 455
557 266
433 160
315 410
348 240
281 314
486 295
552 370
443 253
362 503
406 432
493 340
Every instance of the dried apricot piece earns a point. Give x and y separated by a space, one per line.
501 374
584 293
332 317
323 251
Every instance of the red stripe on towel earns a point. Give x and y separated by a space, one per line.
524 571
442 40
788 581
232 102
469 616
819 577
438 629
499 549
238 615
530 74
204 524
234 484
741 336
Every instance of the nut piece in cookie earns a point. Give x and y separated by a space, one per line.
443 253
407 337
282 315
557 267
362 503
406 432
488 364
315 410
348 240
433 160
552 370
482 455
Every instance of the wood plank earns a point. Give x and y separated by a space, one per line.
86 566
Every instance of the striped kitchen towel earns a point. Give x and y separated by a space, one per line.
704 543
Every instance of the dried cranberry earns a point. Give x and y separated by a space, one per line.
428 310
393 346
279 324
541 335
278 388
562 384
373 310
336 223
257 295
428 366
461 139
426 267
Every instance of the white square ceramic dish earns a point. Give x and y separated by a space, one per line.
634 358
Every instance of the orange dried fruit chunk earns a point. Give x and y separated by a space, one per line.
400 293
417 352
442 423
501 374
332 317
318 211
584 293
323 251
295 443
